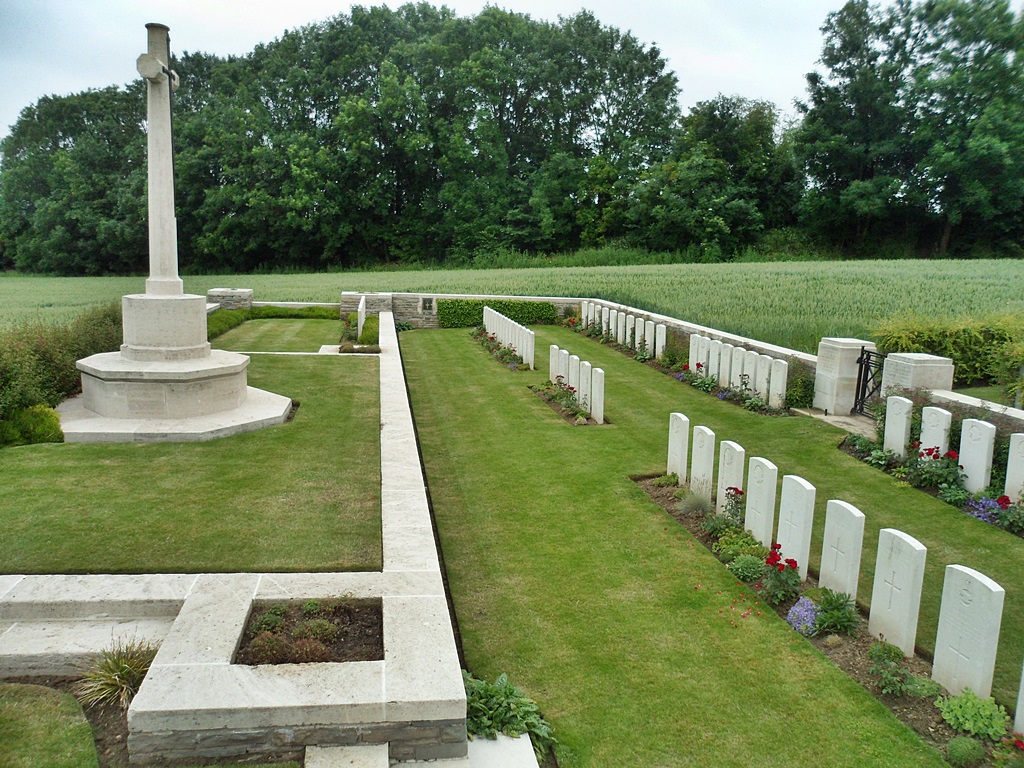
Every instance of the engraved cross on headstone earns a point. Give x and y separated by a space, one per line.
893 589
960 656
163 231
838 553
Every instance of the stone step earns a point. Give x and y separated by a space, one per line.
502 752
65 646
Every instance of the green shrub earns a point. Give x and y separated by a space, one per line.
306 650
837 613
221 321
748 568
736 542
964 751
36 424
971 714
666 481
268 621
268 648
371 330
887 665
799 385
468 313
115 677
500 707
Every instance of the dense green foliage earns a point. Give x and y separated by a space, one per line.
469 313
415 136
500 707
37 359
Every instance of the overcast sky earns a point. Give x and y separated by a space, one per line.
753 48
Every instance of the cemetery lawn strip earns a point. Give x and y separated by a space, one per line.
624 629
292 335
303 496
43 727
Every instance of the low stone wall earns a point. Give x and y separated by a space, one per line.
420 309
230 298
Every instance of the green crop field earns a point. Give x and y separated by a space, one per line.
793 304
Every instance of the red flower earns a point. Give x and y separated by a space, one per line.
699 366
791 562
1018 744
781 567
915 444
951 455
776 546
686 366
1004 501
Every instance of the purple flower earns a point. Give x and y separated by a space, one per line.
803 616
722 394
986 510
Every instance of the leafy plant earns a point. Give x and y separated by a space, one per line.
733 507
838 613
500 707
317 629
781 582
964 751
748 568
887 665
971 714
735 542
115 677
670 480
717 526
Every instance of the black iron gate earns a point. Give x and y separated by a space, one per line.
869 378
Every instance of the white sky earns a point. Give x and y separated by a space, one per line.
758 49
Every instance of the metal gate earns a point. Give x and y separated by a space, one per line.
869 379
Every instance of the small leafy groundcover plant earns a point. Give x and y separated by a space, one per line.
500 707
972 714
964 751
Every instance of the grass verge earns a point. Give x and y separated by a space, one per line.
277 336
565 576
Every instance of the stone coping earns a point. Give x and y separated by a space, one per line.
112 366
941 396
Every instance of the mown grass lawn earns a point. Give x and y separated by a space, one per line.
274 335
303 496
567 577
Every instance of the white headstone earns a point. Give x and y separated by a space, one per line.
585 398
935 423
649 335
796 519
739 354
605 316
613 324
702 463
703 356
530 358
638 332
631 331
841 548
898 412
777 385
725 366
714 358
660 337
584 311
360 316
1018 722
553 363
1014 487
574 373
750 363
762 376
597 395
693 344
621 336
678 445
969 620
592 313
759 518
563 365
731 458
977 444
896 594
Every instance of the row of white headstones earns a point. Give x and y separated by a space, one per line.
585 381
977 444
972 604
624 328
511 334
735 367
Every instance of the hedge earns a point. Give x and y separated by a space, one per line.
371 331
469 313
975 345
223 320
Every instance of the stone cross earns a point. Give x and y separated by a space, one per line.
163 229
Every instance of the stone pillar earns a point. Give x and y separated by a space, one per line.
835 381
912 370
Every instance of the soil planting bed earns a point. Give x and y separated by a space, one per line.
313 631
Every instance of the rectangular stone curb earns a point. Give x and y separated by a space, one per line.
82 596
370 756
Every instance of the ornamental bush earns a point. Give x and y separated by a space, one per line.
467 313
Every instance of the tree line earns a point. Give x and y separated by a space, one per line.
416 136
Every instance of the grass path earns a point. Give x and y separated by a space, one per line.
565 576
